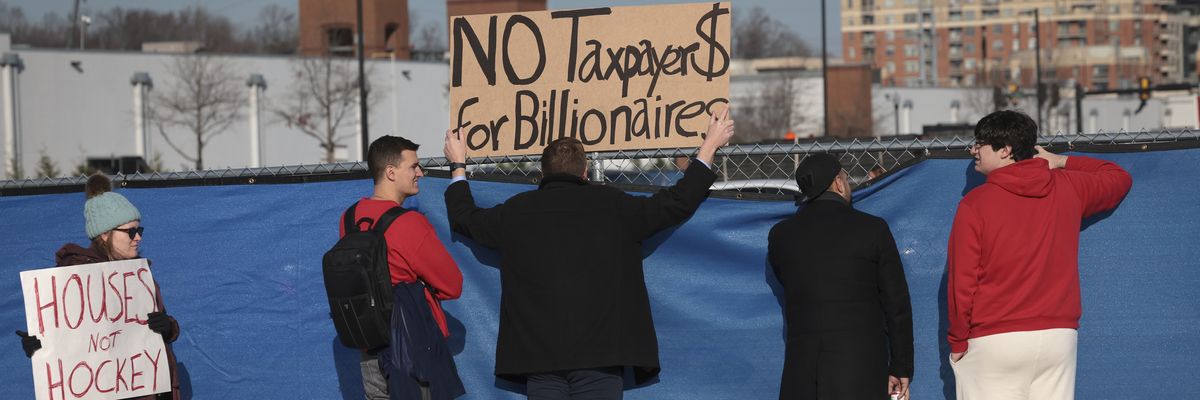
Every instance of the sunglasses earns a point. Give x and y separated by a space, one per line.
132 232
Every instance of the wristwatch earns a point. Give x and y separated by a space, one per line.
457 165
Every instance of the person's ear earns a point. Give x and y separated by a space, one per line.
389 172
1006 152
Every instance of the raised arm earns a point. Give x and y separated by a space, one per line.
480 224
672 205
1101 184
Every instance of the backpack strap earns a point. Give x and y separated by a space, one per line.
387 218
348 219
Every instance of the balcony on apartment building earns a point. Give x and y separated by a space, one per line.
955 53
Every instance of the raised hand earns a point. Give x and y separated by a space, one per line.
720 130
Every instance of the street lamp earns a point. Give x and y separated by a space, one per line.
142 84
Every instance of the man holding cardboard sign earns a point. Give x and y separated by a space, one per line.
574 306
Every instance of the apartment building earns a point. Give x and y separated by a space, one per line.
1102 44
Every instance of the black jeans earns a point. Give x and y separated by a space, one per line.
580 384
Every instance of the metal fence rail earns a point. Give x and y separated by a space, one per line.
755 168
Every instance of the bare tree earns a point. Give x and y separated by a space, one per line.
323 98
772 111
276 32
204 98
756 35
425 34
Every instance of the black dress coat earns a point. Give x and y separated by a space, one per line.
849 320
573 294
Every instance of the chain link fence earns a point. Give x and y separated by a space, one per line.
748 169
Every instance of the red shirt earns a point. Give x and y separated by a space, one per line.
414 252
1014 247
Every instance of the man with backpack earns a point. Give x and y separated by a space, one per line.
414 256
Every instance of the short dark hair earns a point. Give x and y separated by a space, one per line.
564 156
1008 128
386 151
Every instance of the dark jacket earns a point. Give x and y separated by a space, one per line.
846 303
73 254
573 291
418 351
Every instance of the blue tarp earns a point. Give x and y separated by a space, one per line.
239 267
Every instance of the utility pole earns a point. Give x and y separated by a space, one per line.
824 75
362 85
1037 34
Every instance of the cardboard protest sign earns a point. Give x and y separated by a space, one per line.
614 78
91 320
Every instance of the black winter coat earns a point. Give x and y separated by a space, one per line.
573 291
846 303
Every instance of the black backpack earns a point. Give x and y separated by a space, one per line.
358 281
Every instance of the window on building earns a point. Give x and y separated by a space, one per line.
1008 12
1032 43
852 52
1114 26
910 50
890 51
998 45
891 35
849 4
970 31
969 64
910 18
868 19
969 48
388 31
340 40
997 29
1016 45
889 19
1114 9
912 66
889 3
891 67
1016 28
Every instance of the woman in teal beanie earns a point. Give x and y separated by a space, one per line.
114 226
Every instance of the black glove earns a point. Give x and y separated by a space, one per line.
29 343
160 322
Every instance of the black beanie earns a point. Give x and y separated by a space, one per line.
816 173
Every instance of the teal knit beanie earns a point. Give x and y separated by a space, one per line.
104 209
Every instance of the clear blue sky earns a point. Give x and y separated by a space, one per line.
801 15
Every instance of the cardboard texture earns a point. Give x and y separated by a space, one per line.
616 78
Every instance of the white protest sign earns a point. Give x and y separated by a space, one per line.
91 320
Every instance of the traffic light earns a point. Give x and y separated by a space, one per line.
1144 88
1012 89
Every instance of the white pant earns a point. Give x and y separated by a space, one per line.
1030 365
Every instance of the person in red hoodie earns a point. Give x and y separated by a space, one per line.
1013 274
414 251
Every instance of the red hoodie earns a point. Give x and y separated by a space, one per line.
1013 253
414 251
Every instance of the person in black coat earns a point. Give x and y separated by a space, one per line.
849 320
574 309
